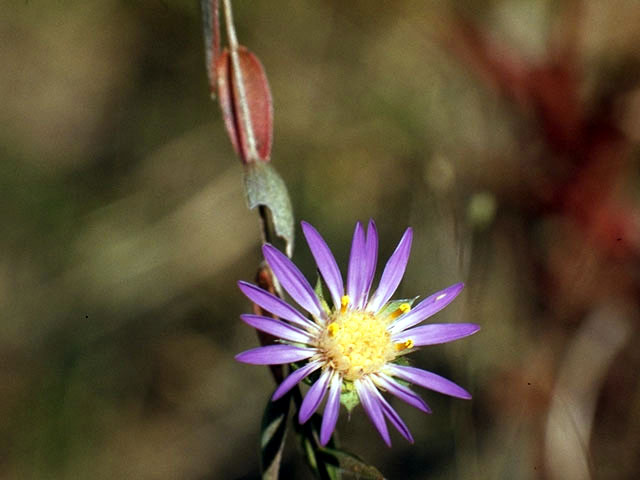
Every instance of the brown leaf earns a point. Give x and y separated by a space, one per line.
211 28
259 103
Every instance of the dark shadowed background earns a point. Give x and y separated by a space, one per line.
505 132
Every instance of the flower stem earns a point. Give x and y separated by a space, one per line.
245 116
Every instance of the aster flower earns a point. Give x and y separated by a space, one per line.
355 346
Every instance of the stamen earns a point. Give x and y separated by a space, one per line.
344 302
332 329
407 344
402 309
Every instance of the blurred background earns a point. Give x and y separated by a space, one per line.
506 132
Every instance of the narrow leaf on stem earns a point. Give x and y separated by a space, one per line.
263 186
259 105
273 435
349 465
245 97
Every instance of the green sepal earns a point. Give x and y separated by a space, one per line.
313 377
273 432
264 186
402 361
349 396
393 305
319 291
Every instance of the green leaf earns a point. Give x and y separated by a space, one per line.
263 186
309 441
349 465
349 396
272 437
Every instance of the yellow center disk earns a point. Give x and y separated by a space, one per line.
356 343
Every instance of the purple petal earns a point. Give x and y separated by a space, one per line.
393 273
331 410
357 265
426 308
372 408
371 258
393 417
275 305
403 393
293 281
314 396
436 333
275 355
429 380
294 378
326 263
277 328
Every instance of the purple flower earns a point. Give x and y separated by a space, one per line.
354 345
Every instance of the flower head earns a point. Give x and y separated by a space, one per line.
356 344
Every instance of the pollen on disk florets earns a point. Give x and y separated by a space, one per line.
356 343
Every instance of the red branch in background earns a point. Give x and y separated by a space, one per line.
592 259
586 140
